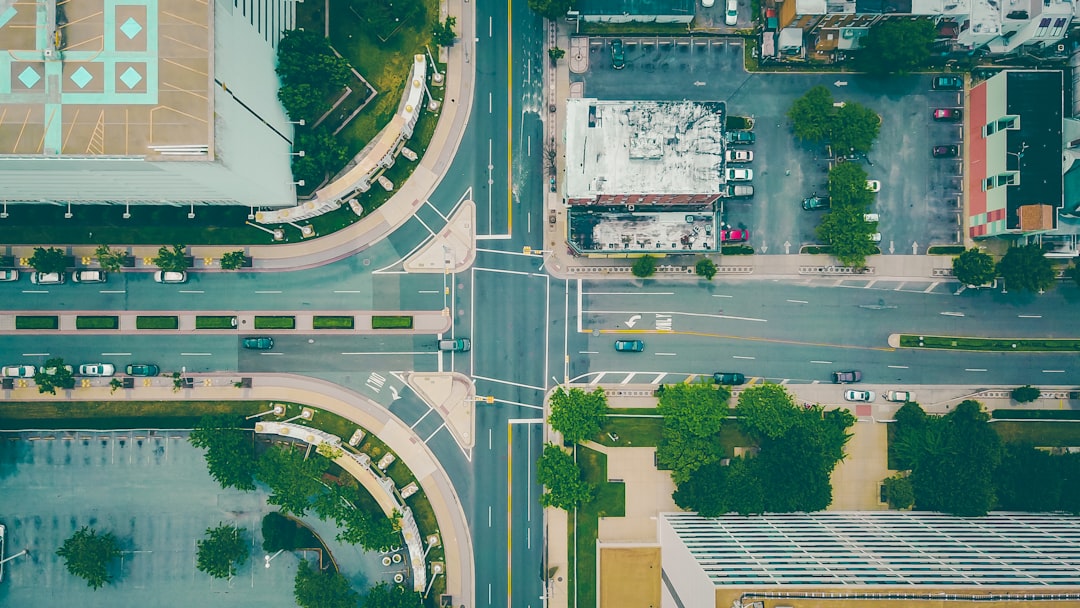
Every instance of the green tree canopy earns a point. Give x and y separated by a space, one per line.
172 260
293 481
974 267
384 595
844 230
233 260
230 450
854 129
53 375
644 267
766 410
705 268
49 260
899 492
305 56
847 187
443 33
895 46
222 551
89 555
1025 268
110 260
374 532
692 415
303 101
323 156
329 589
279 532
551 9
577 415
555 54
1025 394
561 477
811 115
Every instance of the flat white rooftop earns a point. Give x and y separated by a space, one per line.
643 147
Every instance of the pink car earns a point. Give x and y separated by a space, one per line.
734 236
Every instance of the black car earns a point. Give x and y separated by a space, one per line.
847 377
946 151
143 369
259 343
729 378
618 55
948 83
814 203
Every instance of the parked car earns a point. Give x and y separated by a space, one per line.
731 17
847 377
862 396
618 54
89 276
729 378
8 274
948 83
707 3
143 369
870 217
736 235
948 114
946 151
740 191
19 371
457 345
162 276
740 175
873 185
900 396
815 203
740 137
629 346
875 237
259 343
97 369
47 278
739 156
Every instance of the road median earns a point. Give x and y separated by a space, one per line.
1028 345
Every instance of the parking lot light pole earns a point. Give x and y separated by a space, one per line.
270 558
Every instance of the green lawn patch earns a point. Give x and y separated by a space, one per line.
731 436
609 501
282 322
221 322
631 431
1036 414
389 322
945 250
118 414
163 322
668 29
1038 433
321 322
42 322
97 322
991 344
816 250
736 250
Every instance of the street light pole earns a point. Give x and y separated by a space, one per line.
270 558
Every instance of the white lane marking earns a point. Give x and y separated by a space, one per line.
115 354
932 286
113 291
596 380
665 354
1030 316
535 388
669 313
798 301
347 291
195 354
519 404
585 352
435 291
418 420
742 357
898 366
627 379
489 516
721 296
659 377
953 314
491 435
825 362
1053 371
629 293
441 427
975 369
35 354
192 291
268 291
271 354
430 352
35 291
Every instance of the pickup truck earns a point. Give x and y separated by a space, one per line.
900 396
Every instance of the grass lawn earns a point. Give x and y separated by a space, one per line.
636 432
1039 433
44 322
226 322
386 322
332 322
991 344
731 436
97 322
276 323
609 501
164 322
117 414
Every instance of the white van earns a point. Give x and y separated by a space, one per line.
89 276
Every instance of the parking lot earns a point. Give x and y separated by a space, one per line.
919 203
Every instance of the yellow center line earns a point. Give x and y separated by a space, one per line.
705 334
509 119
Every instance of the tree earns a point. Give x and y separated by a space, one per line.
847 234
693 414
899 492
303 101
811 115
323 154
53 375
1029 479
577 415
1073 272
293 480
705 268
222 551
230 450
233 260
766 410
555 54
328 589
109 259
847 187
171 260
281 533
644 267
974 267
895 46
49 260
561 477
443 33
1025 394
551 9
1025 268
115 384
854 129
305 56
89 555
384 595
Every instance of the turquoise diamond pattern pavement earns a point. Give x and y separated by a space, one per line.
131 28
131 77
29 77
81 77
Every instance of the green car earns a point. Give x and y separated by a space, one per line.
259 343
629 346
143 369
618 54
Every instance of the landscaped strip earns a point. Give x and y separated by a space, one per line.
217 322
97 322
282 322
991 344
391 322
43 322
321 322
162 322
609 500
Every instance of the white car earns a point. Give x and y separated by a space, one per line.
860 396
870 217
873 185
707 3
731 17
740 175
19 371
739 156
97 369
876 237
162 276
47 278
9 274
89 276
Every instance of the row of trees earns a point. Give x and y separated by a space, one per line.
844 228
1023 268
330 589
171 259
577 416
849 127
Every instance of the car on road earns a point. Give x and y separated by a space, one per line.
736 235
740 175
618 54
815 203
97 369
847 377
863 396
870 217
89 276
457 345
739 156
948 83
948 114
729 378
47 278
949 151
731 17
707 3
740 191
8 274
741 137
19 371
143 369
629 346
899 396
262 343
873 185
163 276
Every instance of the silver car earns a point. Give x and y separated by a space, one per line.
97 369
